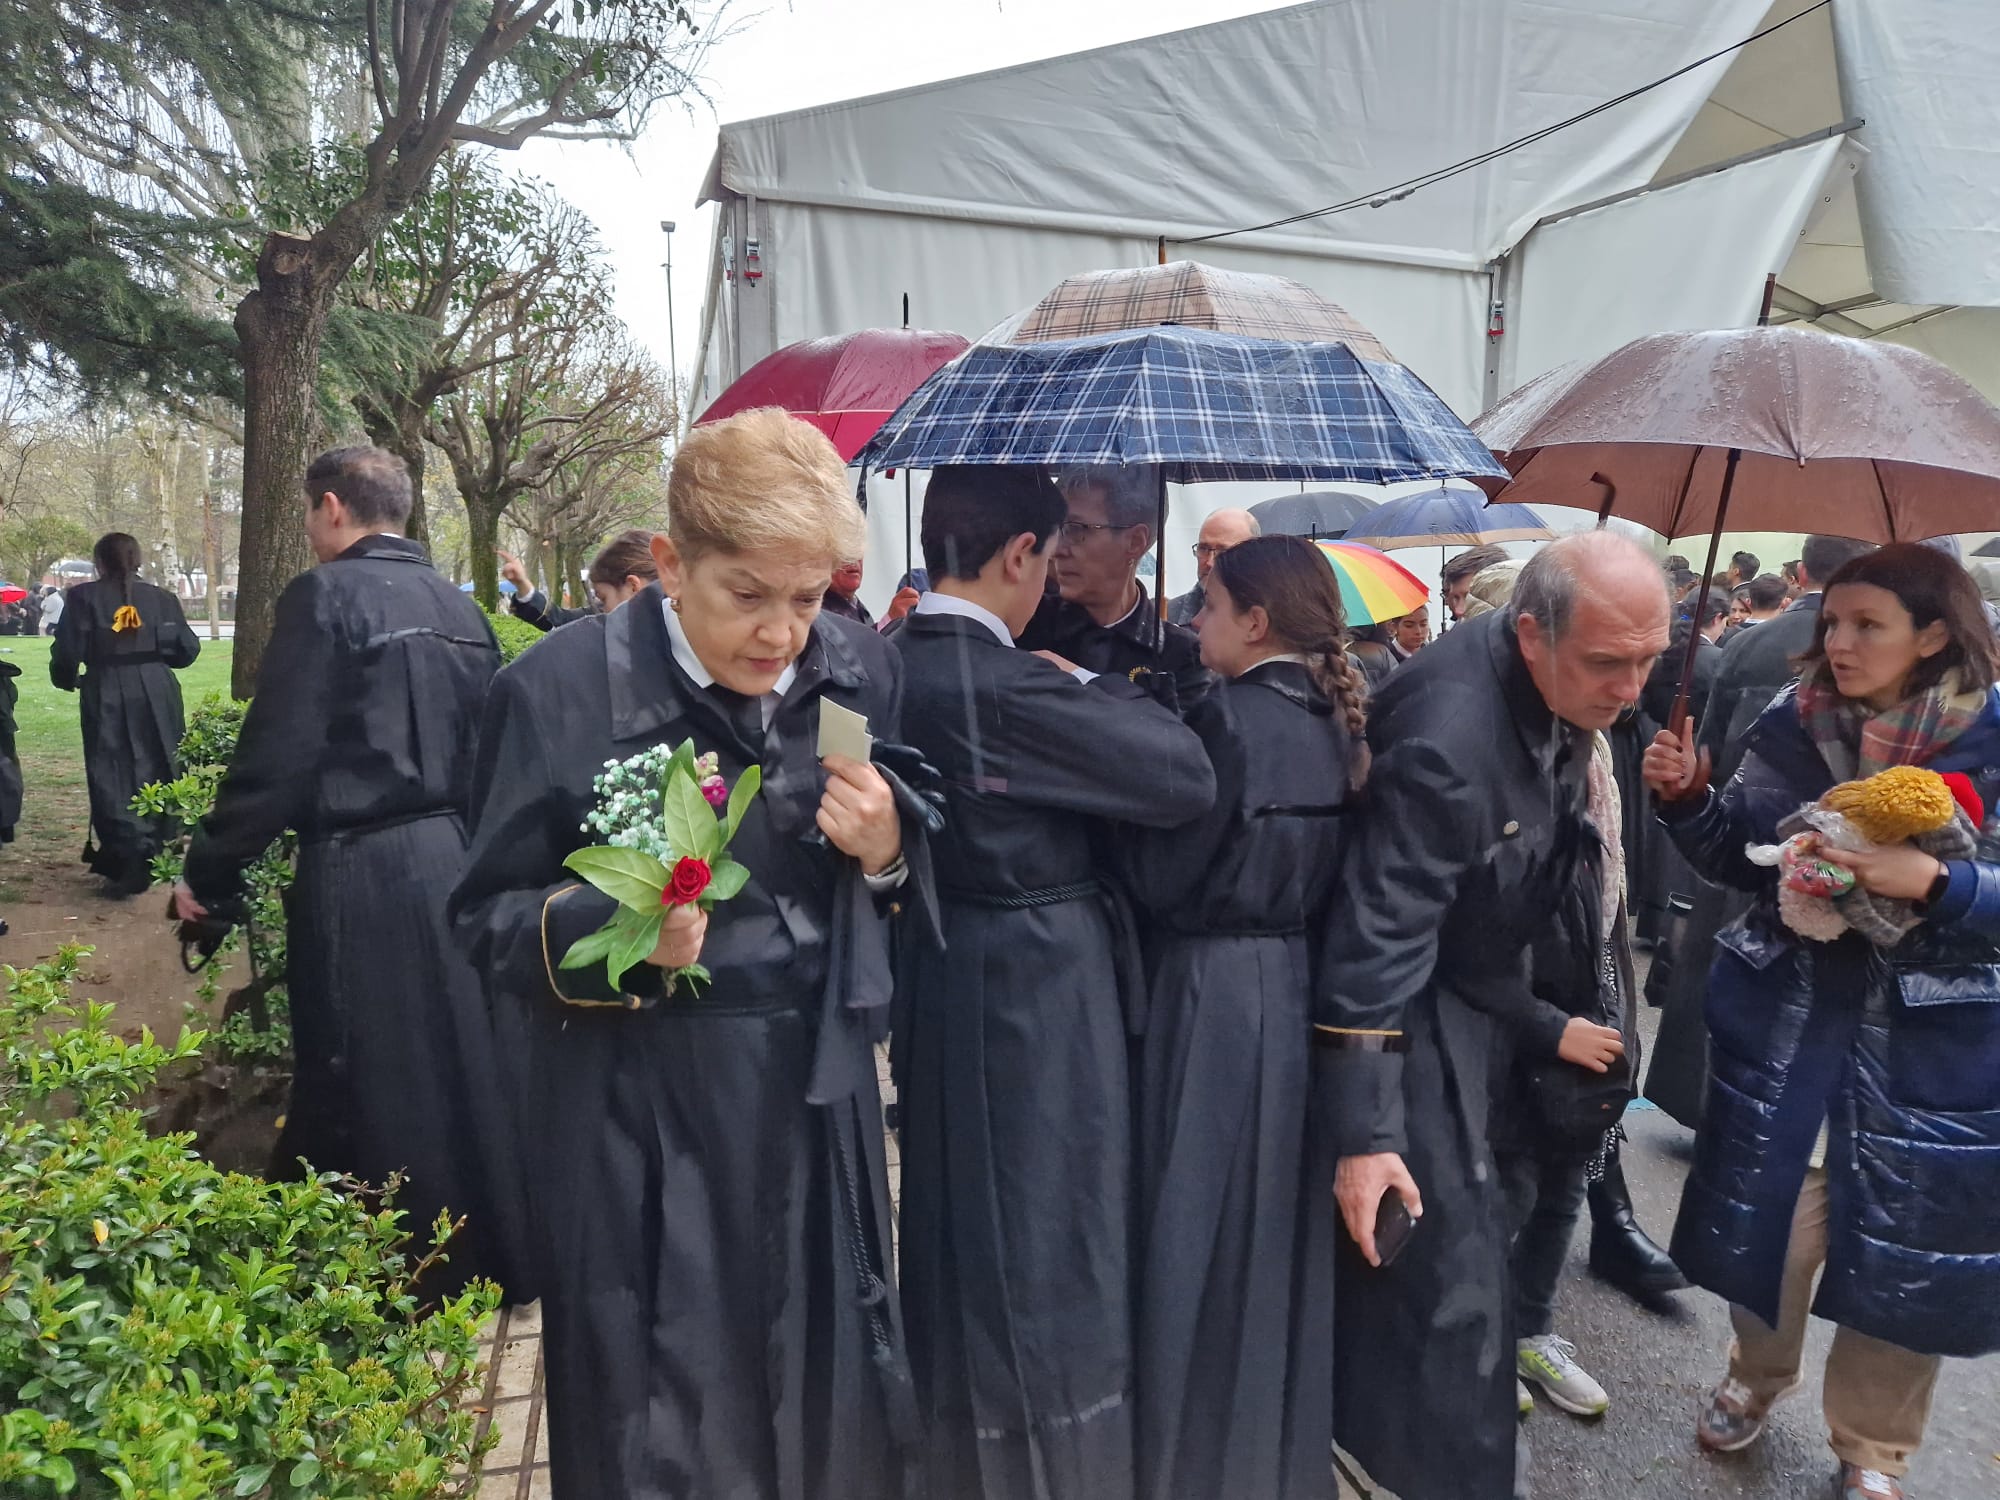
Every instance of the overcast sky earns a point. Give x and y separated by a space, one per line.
791 56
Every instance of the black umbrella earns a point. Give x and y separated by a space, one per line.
1316 513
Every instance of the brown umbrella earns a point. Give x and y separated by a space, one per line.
1191 295
1837 435
1771 429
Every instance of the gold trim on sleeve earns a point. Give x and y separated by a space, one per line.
624 1002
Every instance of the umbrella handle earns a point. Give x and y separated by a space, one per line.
1677 720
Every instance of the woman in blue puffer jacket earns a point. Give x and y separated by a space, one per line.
1853 1116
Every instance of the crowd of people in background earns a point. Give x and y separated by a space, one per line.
1262 993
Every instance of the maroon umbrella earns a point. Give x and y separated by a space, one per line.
1773 429
846 385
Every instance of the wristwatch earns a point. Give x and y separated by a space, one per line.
1943 879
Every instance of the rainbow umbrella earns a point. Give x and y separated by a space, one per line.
1373 586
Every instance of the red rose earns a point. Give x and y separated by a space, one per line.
690 879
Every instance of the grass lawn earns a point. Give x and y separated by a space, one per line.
50 741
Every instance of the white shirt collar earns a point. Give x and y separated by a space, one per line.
701 677
935 603
1297 657
1136 603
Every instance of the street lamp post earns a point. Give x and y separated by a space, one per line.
673 356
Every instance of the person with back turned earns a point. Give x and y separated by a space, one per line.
127 638
1012 1046
361 738
1476 821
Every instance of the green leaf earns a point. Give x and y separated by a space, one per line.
251 1480
691 826
636 941
589 949
60 1472
726 878
740 797
304 1472
631 878
681 761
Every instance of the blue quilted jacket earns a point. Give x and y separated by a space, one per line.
1897 1050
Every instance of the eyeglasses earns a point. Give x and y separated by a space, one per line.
1203 550
1076 531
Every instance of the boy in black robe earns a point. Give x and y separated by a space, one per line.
1012 1048
360 739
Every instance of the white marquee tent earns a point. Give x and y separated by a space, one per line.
1849 151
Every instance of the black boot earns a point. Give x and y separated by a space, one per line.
1620 1251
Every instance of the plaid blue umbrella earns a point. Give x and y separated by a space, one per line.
1203 405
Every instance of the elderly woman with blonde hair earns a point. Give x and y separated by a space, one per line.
706 1169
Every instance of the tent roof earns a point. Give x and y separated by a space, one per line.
1257 117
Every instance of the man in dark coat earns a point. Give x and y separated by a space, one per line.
360 739
1754 669
1475 820
1012 1050
1222 530
1099 615
843 595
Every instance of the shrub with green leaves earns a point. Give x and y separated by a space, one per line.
514 636
174 1332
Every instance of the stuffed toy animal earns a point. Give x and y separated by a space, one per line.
1817 898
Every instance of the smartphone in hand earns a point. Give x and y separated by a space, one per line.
1393 1227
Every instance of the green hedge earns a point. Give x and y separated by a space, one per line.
514 636
174 1332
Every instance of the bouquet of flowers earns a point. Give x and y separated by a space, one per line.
667 819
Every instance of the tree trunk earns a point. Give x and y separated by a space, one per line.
401 431
279 325
482 529
566 569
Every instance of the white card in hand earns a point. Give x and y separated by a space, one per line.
843 732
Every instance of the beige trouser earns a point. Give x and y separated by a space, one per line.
1878 1397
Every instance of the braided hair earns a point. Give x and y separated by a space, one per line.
1286 577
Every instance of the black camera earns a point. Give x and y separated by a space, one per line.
203 938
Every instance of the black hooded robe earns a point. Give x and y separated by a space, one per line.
360 739
707 1172
1012 1063
132 719
1234 1205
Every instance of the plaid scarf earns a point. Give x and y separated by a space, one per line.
1855 741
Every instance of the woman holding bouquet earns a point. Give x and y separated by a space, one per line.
1235 1227
707 1174
1852 1126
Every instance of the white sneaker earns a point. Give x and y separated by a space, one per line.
1524 1399
1550 1363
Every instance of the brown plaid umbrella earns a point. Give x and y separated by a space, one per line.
1773 429
1192 295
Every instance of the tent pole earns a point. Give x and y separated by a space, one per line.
1160 567
909 547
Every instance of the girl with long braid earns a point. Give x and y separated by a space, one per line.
1234 1373
119 643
